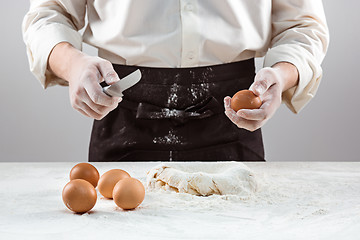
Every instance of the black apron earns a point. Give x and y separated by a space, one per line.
177 114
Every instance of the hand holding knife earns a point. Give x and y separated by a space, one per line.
116 89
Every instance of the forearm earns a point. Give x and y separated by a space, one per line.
289 75
61 58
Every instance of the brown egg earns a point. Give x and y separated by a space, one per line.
245 99
129 193
109 179
85 171
79 196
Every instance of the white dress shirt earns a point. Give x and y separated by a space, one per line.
184 33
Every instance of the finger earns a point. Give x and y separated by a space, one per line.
252 114
262 82
239 121
82 112
91 113
273 92
100 109
227 103
243 123
96 94
268 106
232 116
107 72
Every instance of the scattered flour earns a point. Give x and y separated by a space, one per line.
173 97
168 113
170 138
199 90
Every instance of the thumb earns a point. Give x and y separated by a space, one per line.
261 84
108 73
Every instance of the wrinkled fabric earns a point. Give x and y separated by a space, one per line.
185 33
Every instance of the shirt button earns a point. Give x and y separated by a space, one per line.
191 55
189 7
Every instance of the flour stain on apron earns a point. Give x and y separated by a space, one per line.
177 114
173 95
170 138
196 92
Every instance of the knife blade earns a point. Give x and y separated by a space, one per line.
116 89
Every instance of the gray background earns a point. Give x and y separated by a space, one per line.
38 125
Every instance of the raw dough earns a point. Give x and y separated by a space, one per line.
203 178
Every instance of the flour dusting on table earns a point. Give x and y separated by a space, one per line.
293 201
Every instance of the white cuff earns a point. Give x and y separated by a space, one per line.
310 74
40 44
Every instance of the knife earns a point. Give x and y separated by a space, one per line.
116 89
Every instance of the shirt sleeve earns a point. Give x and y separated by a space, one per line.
46 24
299 36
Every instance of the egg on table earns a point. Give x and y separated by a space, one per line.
245 99
108 180
79 196
85 171
128 193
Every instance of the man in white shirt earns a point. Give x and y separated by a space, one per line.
193 54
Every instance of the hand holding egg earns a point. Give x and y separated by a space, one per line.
265 94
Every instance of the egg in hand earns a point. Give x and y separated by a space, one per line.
245 99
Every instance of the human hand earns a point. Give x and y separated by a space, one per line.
84 73
269 84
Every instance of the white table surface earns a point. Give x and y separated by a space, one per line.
295 201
